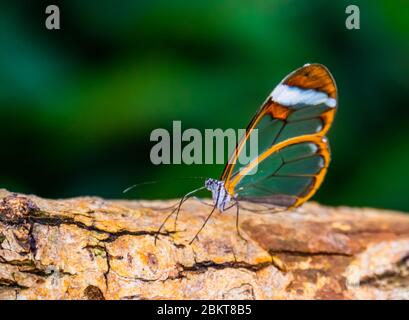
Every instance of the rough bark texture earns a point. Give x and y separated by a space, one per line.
91 248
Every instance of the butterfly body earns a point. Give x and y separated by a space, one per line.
220 196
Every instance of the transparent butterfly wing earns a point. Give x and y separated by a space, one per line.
293 153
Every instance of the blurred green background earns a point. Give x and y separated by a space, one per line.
77 105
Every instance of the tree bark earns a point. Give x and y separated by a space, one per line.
92 248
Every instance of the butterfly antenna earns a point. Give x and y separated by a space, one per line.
138 184
157 181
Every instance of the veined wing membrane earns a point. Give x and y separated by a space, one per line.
292 122
286 176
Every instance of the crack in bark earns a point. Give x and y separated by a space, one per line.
18 210
32 241
46 274
358 231
106 273
387 278
28 266
2 238
309 254
107 257
203 266
58 221
17 262
7 283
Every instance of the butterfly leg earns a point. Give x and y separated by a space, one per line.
173 206
237 221
203 202
204 223
177 209
207 219
185 197
272 209
229 207
235 204
163 224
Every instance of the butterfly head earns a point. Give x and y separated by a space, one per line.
210 183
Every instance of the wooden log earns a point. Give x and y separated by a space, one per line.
92 248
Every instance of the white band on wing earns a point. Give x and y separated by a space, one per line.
289 96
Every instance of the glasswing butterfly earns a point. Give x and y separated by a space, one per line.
293 151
